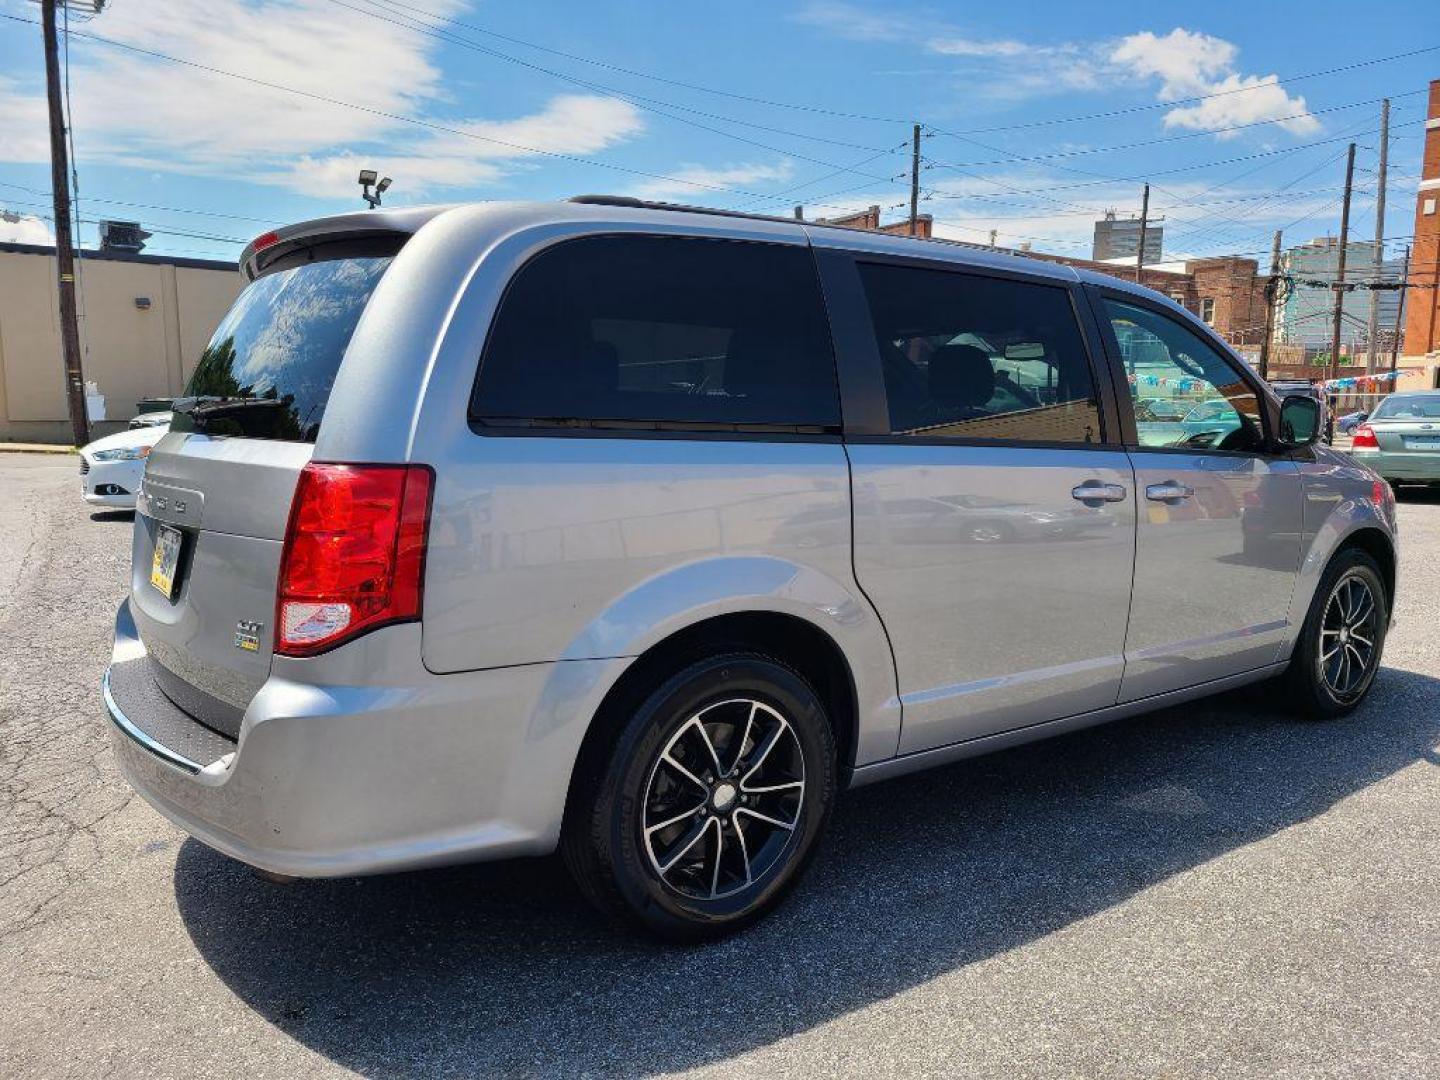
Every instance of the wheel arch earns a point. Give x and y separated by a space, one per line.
1358 527
788 638
1375 543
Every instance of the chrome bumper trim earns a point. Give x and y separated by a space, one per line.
121 721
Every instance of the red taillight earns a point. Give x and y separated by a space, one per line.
354 555
264 240
1365 438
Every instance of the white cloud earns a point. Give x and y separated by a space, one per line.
951 46
854 22
24 229
139 110
861 24
24 126
1190 64
1185 62
1267 101
690 181
472 152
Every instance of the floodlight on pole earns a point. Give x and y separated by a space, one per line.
370 178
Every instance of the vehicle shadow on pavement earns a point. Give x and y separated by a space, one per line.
503 969
125 517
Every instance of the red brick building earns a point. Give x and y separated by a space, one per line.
1226 291
1422 318
870 219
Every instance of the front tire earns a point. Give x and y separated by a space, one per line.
1340 645
710 804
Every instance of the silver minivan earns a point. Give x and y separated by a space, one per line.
640 532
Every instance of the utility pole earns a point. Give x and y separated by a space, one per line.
1144 225
1339 285
1400 312
915 180
1272 290
1377 263
64 242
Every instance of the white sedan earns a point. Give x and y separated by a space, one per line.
110 468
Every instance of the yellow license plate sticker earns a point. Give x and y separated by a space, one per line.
165 560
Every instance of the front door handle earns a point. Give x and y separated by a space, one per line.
1093 492
1168 492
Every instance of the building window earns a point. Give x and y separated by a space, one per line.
1207 309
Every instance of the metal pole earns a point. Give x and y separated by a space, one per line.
1339 285
1272 288
1377 262
915 180
1144 215
1400 312
64 241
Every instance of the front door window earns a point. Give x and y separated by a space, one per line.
1185 393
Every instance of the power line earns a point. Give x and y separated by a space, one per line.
1182 168
149 206
1198 97
397 117
647 103
1065 154
635 73
843 114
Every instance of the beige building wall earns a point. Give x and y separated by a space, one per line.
130 350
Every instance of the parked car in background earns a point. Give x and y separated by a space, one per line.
641 532
1350 421
110 468
1163 409
1401 439
152 419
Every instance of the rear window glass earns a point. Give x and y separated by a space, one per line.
655 331
1426 407
268 369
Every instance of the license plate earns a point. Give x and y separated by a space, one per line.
165 560
1423 442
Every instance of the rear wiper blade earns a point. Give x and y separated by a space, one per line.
205 408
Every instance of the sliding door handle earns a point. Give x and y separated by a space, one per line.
1168 492
1093 493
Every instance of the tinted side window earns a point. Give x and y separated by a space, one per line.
980 358
655 330
1184 392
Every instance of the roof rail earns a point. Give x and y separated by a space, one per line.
680 208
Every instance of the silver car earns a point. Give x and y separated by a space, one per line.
1401 438
642 532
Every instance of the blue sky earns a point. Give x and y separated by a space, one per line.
807 101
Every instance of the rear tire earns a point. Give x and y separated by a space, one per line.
711 801
1341 643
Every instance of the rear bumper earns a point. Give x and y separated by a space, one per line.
1406 465
392 768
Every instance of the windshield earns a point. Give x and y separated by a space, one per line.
268 370
1418 407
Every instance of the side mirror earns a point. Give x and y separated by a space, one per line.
1299 420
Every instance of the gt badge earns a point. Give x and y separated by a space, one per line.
247 635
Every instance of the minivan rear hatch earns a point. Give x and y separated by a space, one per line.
216 497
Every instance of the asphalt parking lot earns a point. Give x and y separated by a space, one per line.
1213 890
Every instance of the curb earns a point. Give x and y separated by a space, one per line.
34 448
